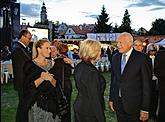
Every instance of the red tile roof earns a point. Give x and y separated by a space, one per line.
78 30
149 38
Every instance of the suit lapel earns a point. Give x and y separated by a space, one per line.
24 49
118 65
129 63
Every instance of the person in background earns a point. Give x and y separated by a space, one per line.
138 45
159 69
151 52
39 85
109 53
20 55
130 88
89 104
63 69
53 54
70 54
75 54
5 53
56 44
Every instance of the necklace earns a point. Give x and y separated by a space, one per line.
41 62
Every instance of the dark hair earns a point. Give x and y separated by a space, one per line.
63 49
23 33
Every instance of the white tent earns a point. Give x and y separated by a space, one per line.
161 42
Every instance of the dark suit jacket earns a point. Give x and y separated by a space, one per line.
19 56
91 86
160 73
160 69
135 82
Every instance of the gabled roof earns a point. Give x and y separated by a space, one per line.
79 30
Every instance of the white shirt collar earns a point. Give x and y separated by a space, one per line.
22 44
128 54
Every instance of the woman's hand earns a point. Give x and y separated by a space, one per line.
67 60
48 76
110 103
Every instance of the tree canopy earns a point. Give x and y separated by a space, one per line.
158 27
101 26
126 23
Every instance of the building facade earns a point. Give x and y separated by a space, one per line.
9 21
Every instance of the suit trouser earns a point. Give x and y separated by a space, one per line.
154 99
122 116
20 114
161 113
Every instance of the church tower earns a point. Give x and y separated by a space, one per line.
43 14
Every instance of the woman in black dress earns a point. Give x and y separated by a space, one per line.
40 85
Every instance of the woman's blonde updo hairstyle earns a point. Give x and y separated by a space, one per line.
89 50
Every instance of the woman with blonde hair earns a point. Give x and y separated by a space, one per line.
89 104
39 86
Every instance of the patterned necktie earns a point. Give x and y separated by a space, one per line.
123 62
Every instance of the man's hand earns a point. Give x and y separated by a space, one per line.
144 115
111 105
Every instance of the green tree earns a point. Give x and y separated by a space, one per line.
116 28
101 26
126 23
158 27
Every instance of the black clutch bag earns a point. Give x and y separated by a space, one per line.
62 103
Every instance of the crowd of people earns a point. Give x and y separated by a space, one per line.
136 90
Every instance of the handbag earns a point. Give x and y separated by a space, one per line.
62 103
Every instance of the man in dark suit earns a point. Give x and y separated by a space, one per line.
131 82
20 54
160 73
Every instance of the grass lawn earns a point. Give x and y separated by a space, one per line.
9 101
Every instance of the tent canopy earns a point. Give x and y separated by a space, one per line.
161 42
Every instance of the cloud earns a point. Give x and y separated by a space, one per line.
157 8
146 3
84 12
30 10
92 16
89 14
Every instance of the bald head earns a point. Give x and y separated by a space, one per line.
124 42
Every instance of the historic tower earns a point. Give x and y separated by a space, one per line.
43 14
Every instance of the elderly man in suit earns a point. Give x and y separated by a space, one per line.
160 73
131 82
20 54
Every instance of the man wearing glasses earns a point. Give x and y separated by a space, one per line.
20 55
